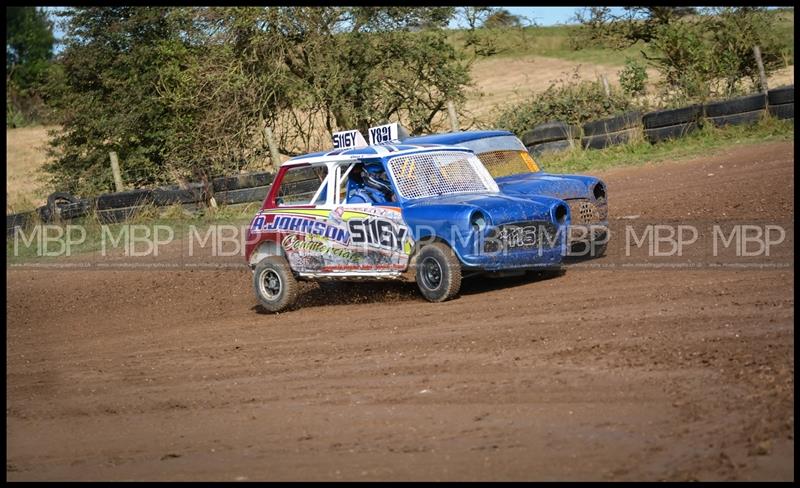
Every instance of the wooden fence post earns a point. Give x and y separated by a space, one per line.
116 172
606 88
762 76
274 156
451 110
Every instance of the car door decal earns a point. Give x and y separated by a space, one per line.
366 239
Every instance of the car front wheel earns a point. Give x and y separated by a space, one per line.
438 272
275 285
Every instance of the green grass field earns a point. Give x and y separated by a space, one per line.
550 41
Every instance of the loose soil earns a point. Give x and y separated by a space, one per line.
616 373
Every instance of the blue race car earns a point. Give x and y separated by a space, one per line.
516 173
425 213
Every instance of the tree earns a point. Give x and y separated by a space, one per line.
29 49
29 44
501 18
700 52
187 93
601 26
105 98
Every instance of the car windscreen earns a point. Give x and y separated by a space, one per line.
434 173
502 155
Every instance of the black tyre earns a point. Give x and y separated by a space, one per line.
132 198
170 196
784 111
672 132
228 183
628 120
610 139
75 210
738 119
438 272
64 205
244 195
549 147
780 96
666 118
549 131
739 105
60 198
275 286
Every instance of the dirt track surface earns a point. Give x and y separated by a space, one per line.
597 374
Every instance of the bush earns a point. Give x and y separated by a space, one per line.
633 78
574 101
712 56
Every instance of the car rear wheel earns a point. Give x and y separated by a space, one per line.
438 272
275 285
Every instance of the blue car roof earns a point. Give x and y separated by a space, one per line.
456 138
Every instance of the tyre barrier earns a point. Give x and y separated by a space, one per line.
537 150
745 118
244 195
120 206
782 111
601 141
620 129
166 196
64 206
781 95
240 182
549 132
780 102
627 120
130 198
737 111
740 105
664 125
677 116
669 132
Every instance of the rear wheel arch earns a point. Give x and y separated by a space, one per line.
266 249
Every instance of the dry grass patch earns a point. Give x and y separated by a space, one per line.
25 155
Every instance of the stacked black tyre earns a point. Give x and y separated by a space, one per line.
620 129
664 125
119 207
63 206
549 137
780 102
251 187
736 111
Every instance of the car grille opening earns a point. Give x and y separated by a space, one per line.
585 212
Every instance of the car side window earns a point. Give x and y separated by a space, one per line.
364 184
304 185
